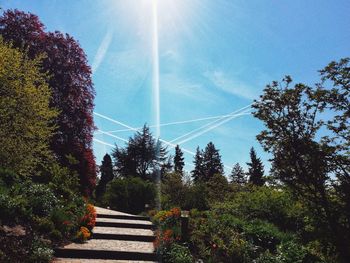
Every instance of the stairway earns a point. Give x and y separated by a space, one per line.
117 237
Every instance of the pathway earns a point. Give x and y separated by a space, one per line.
117 237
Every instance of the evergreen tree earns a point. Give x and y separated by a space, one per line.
141 157
256 169
197 172
212 162
107 175
237 174
178 160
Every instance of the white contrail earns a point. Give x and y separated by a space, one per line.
210 123
176 122
104 143
131 128
115 121
112 135
102 50
212 127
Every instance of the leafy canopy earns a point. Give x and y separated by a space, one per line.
25 115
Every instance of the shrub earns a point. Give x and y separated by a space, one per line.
266 203
129 194
40 252
178 254
40 198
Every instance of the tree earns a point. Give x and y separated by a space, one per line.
237 175
141 157
212 161
197 172
256 169
303 158
25 115
71 86
178 160
107 175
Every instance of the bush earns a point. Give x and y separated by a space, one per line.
178 254
266 203
129 194
196 197
227 238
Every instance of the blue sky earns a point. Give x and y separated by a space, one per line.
214 56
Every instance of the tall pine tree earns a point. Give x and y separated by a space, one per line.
107 175
237 174
212 162
256 169
178 160
197 172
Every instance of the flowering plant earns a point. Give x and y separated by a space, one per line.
89 218
83 234
169 228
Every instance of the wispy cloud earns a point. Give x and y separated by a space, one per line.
230 84
102 50
188 89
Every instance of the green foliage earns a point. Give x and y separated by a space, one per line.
217 188
25 115
178 160
178 254
173 190
255 169
307 133
40 252
207 163
266 203
129 194
237 175
141 157
226 237
107 175
196 197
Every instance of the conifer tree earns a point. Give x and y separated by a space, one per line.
237 174
178 160
107 175
256 169
212 162
141 157
197 172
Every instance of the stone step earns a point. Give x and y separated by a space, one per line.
125 225
117 237
114 220
131 217
104 254
119 245
123 237
86 260
122 231
100 210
